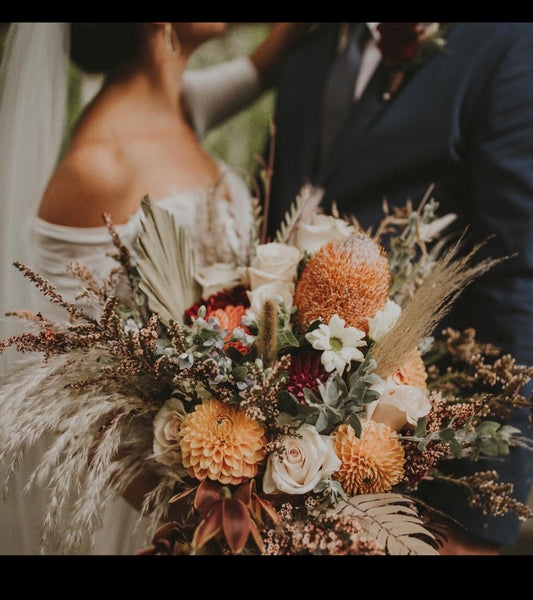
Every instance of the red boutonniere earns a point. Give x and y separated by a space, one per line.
404 45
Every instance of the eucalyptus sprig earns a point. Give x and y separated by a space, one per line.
488 438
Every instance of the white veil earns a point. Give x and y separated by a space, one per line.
33 107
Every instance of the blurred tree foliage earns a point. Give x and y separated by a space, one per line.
237 141
240 139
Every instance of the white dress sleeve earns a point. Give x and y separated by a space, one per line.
215 93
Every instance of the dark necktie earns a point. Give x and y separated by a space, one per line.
338 97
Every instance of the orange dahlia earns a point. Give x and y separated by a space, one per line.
229 318
349 277
372 463
413 372
220 442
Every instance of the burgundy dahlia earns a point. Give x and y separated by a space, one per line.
304 372
236 296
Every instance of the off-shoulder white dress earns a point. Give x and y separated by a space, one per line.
219 228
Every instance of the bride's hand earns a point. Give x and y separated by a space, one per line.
268 57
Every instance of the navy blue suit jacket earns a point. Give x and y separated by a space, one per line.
462 121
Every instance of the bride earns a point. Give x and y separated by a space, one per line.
140 135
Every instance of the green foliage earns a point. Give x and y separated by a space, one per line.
405 258
287 340
493 438
331 490
337 401
488 438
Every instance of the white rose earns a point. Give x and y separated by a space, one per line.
274 262
384 320
399 403
322 229
217 277
307 460
277 290
166 428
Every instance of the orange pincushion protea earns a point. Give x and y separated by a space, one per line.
370 464
413 372
349 277
220 442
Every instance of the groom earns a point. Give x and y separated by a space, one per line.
461 119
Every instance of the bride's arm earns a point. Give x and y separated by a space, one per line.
213 94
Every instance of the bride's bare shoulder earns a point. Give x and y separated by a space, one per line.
90 179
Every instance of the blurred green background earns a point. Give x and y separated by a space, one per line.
242 137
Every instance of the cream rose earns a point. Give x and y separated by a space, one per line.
399 404
166 428
277 290
307 460
217 277
274 262
321 230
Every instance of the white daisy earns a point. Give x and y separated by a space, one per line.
338 344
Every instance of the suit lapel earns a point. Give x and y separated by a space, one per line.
310 90
362 116
365 113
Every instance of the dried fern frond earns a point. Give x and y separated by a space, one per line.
301 211
432 300
392 520
166 264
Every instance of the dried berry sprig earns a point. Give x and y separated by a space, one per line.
302 533
92 288
261 398
463 369
48 290
123 255
444 414
485 492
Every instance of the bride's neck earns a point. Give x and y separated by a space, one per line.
156 77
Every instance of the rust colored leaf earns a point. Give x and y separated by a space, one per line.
268 508
257 536
209 527
244 492
207 493
235 523
164 531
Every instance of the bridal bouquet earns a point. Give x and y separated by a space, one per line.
288 405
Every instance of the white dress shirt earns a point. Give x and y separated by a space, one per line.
369 62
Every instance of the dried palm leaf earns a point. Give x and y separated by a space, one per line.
166 264
393 521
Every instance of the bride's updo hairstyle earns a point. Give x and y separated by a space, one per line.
98 48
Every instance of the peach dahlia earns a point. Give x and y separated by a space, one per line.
370 464
220 442
412 372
